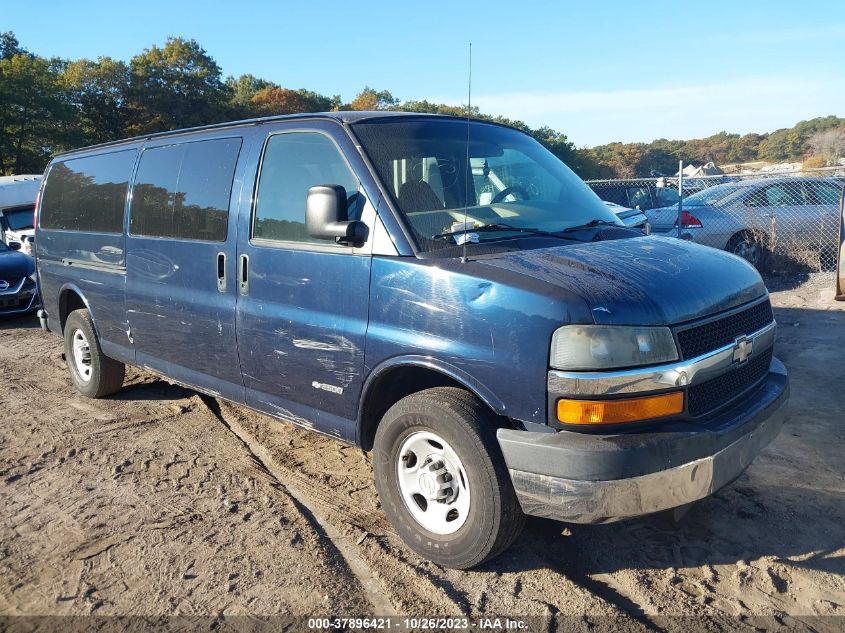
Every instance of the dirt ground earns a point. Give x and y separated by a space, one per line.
160 501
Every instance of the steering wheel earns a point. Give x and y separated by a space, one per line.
504 193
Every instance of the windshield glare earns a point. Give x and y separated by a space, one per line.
711 195
510 180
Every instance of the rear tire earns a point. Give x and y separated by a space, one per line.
94 374
442 480
750 246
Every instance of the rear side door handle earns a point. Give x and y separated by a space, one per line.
243 274
221 272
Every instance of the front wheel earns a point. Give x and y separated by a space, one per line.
94 374
441 478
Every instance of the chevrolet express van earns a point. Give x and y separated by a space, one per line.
445 293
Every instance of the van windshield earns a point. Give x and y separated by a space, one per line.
512 187
19 219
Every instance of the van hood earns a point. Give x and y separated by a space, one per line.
14 265
643 280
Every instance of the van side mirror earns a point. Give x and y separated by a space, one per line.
15 246
326 216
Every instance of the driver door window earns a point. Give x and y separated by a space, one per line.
293 163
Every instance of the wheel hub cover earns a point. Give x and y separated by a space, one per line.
435 480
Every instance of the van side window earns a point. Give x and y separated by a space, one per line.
88 193
294 162
182 191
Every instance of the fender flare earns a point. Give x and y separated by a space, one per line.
435 364
69 286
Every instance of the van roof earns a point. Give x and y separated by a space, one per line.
343 116
12 180
21 190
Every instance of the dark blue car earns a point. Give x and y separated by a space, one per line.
18 287
445 293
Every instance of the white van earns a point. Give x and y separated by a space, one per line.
17 205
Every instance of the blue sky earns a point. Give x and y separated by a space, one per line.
598 71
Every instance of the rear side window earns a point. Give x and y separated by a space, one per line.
293 163
182 191
88 193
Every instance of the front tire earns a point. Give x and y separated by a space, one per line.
442 480
94 374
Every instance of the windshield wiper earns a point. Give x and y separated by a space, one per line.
498 226
589 225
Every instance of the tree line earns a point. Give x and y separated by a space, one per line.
51 105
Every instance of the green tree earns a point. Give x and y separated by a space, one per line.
34 113
175 86
97 92
9 46
242 90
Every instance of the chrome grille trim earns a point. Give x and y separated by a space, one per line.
643 380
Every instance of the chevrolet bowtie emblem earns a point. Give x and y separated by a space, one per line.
743 346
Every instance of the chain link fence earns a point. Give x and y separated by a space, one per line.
782 222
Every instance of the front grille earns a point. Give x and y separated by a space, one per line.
700 339
10 304
715 392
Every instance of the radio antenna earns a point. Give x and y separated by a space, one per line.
468 170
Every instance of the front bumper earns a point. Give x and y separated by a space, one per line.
588 478
21 299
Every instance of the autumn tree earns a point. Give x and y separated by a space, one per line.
370 99
275 100
828 144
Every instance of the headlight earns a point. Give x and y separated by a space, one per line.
586 347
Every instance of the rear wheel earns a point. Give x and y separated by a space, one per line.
748 245
441 478
94 374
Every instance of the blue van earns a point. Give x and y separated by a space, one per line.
445 293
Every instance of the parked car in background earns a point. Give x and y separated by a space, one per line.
645 194
746 217
17 206
18 286
632 218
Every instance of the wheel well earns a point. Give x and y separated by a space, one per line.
762 235
389 388
69 300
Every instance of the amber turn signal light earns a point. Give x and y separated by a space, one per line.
619 411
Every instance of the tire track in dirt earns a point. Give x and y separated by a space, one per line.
418 586
333 540
413 588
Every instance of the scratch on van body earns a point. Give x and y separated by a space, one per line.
341 344
287 415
